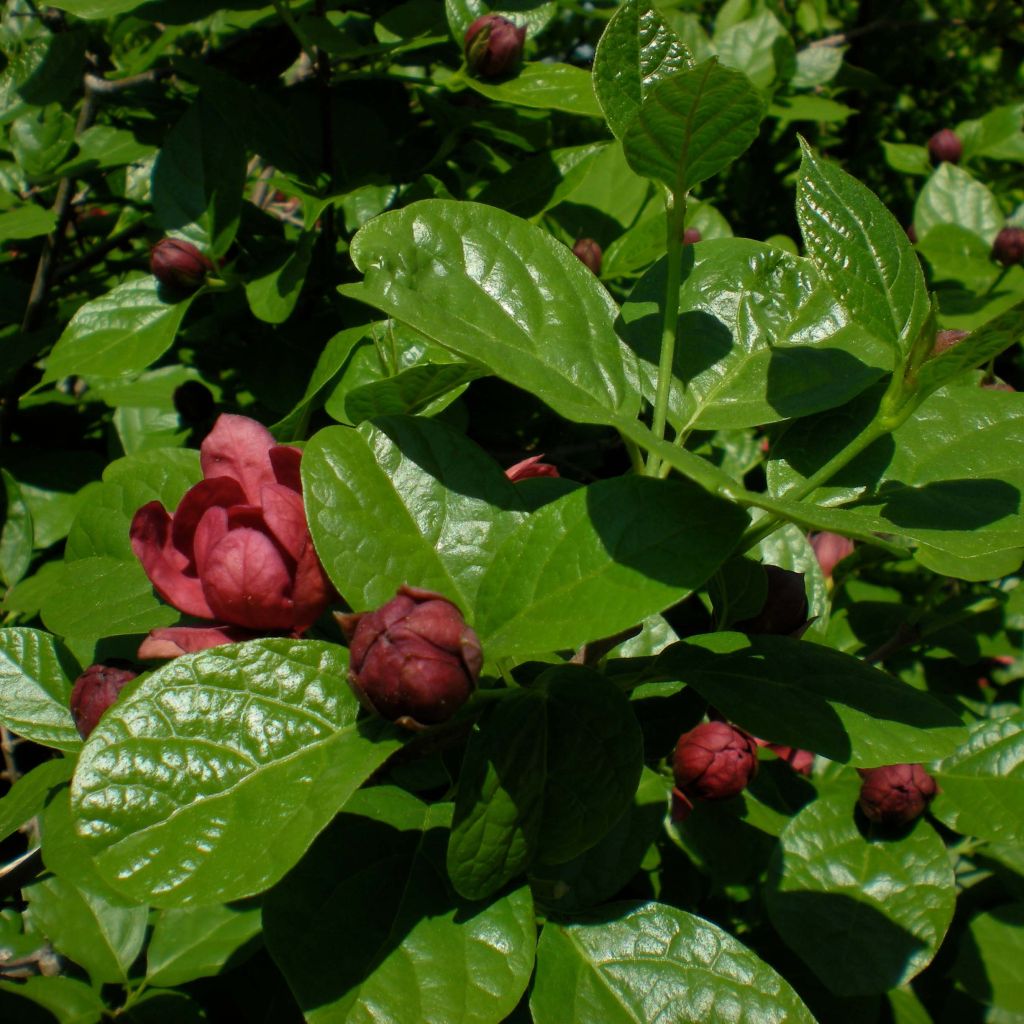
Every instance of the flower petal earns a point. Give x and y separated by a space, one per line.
164 564
221 491
312 590
172 641
285 460
239 447
285 517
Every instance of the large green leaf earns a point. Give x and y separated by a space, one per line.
27 221
36 675
544 86
419 389
636 51
861 251
981 785
27 797
811 697
759 338
244 748
760 47
545 777
693 125
68 1000
952 196
865 912
599 560
273 295
637 963
986 964
119 333
366 927
534 14
500 292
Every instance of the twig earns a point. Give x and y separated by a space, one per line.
96 254
20 872
111 86
7 744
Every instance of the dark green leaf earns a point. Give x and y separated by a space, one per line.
26 221
535 14
69 1000
272 296
40 139
15 531
419 389
546 87
987 965
27 796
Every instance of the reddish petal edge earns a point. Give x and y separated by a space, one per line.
173 641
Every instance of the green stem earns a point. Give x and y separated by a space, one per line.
636 456
675 216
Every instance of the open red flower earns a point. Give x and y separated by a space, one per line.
237 550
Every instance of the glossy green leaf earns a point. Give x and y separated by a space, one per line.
199 176
405 501
27 796
26 221
535 14
243 748
636 963
693 125
69 1000
500 292
385 939
36 675
103 938
40 139
986 964
272 296
119 333
957 255
981 785
637 50
866 912
545 777
759 338
861 252
952 196
544 86
419 389
760 47
16 537
599 560
196 942
811 697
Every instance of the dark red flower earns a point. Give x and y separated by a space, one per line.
588 252
714 761
178 264
494 46
945 145
830 549
691 235
895 794
413 660
94 691
529 468
1008 247
237 550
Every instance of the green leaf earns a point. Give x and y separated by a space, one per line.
759 338
199 176
635 963
637 50
197 942
807 696
103 938
97 8
693 125
996 135
904 157
759 47
272 297
808 108
26 221
500 292
27 797
535 14
545 87
545 777
952 196
15 531
243 748
817 65
986 965
119 333
406 500
386 939
980 785
69 1000
865 912
419 389
861 252
599 560
36 675
40 139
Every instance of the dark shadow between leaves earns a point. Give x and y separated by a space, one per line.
970 968
798 372
949 504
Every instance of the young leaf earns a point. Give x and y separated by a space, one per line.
693 125
246 747
545 87
637 50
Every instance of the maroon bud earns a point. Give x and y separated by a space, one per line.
784 612
178 264
714 761
895 794
801 761
530 468
945 340
413 660
912 234
494 46
94 691
588 252
1008 248
691 235
945 145
830 549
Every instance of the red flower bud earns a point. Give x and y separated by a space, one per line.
945 340
895 794
94 691
413 660
178 264
714 761
691 235
588 252
912 234
784 612
801 761
529 468
1008 247
830 549
494 46
945 145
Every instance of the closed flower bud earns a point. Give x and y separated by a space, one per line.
178 264
494 46
830 549
530 468
945 340
94 691
801 761
784 612
413 660
691 235
1008 248
588 252
895 794
945 145
714 761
